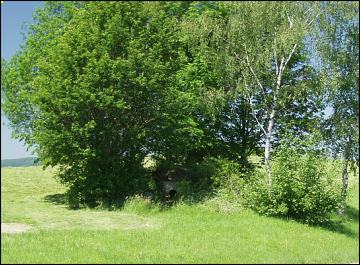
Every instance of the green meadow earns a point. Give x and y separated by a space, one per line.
141 233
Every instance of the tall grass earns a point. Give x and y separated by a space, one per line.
141 205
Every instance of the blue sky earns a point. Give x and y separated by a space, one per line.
13 16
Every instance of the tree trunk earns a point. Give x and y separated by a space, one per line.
269 130
345 177
345 184
268 146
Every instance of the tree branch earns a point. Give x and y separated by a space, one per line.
290 21
310 8
281 68
237 56
252 71
253 110
275 57
318 14
289 57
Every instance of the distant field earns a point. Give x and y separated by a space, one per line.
182 234
19 162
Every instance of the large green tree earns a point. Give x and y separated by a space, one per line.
94 90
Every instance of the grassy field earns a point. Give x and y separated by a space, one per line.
181 234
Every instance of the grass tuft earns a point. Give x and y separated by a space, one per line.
141 205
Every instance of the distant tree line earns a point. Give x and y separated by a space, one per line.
20 162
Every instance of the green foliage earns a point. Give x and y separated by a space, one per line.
339 51
227 182
226 179
303 187
196 181
92 190
99 88
258 54
98 92
226 174
185 188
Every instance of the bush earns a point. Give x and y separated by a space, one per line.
213 176
227 179
185 188
102 188
301 188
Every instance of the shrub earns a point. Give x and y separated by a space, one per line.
302 189
185 188
228 178
102 188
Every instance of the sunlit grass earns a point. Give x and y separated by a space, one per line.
181 234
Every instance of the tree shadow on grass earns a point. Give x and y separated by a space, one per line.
352 213
60 199
339 224
55 198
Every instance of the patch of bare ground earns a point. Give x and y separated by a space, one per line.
12 228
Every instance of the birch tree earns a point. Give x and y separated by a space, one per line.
258 47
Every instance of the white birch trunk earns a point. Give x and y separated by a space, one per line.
345 183
270 127
345 177
268 146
